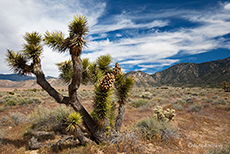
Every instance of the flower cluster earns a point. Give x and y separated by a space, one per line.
107 81
117 69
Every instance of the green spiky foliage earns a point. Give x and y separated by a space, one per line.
21 62
102 102
103 63
73 121
66 69
55 40
86 74
122 86
78 29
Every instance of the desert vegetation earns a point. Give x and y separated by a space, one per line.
200 122
114 117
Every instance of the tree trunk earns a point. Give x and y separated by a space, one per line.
120 117
80 136
72 99
75 103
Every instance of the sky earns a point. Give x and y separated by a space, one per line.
146 35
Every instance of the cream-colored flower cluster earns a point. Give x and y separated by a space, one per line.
117 69
107 81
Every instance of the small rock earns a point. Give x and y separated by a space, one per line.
190 101
34 144
42 135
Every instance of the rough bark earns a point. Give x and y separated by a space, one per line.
80 136
72 99
41 80
75 103
120 117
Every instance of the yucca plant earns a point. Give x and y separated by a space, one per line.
73 121
122 87
103 63
28 61
102 102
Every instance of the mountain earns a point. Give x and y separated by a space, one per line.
16 77
142 79
191 74
209 74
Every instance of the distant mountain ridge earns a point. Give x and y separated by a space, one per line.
16 77
187 74
207 74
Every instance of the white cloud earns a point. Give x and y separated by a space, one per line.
148 50
227 6
157 47
18 17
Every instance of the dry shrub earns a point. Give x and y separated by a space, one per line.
127 142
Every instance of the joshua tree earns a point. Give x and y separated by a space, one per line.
28 61
123 87
225 86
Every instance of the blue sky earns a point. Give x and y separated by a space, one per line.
147 35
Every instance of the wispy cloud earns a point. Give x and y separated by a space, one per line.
18 17
153 49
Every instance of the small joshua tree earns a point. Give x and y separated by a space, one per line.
165 116
225 86
73 121
123 87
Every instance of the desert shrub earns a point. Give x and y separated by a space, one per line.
128 142
2 109
4 121
178 107
146 95
164 88
11 101
17 117
10 92
2 134
219 101
46 119
221 150
153 129
139 103
195 108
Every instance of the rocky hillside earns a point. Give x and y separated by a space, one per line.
143 79
208 74
191 74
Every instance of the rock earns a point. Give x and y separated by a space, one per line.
34 144
42 135
190 101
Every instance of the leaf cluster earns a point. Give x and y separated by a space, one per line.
73 121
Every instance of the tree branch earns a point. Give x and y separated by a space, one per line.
41 80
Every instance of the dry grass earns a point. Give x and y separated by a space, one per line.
202 120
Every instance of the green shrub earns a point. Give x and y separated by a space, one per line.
46 119
219 101
11 101
17 117
151 128
195 108
139 103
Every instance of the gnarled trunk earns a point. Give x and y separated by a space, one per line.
72 99
120 117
